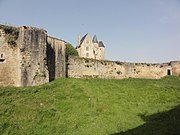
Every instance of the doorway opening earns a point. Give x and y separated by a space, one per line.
168 72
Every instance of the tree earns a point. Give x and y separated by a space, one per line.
70 50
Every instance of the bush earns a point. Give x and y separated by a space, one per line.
11 34
11 30
70 50
119 63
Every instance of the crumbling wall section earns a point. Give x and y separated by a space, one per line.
90 68
56 58
32 45
175 68
9 58
28 57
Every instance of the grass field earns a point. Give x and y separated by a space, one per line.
92 107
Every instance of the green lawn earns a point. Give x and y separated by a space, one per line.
92 107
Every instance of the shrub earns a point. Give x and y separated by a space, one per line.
11 30
70 50
119 63
11 40
11 34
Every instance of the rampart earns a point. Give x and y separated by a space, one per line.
90 68
175 68
32 49
56 58
29 57
10 69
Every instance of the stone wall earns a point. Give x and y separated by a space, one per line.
24 60
29 57
9 62
90 68
175 68
56 58
32 43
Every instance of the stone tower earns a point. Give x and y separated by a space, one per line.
29 57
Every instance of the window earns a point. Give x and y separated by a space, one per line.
87 54
87 48
2 59
2 56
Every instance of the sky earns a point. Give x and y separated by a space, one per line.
131 30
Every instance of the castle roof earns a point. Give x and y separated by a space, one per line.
101 44
83 38
95 39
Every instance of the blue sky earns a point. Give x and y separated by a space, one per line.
132 30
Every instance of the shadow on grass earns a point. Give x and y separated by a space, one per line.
165 123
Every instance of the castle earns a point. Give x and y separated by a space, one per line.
88 48
29 57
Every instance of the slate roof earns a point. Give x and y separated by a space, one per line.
83 38
95 39
101 44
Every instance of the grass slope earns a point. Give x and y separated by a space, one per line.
92 107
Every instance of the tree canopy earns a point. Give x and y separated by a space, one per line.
70 50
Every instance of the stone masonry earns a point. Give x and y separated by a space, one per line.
56 58
91 68
25 60
9 62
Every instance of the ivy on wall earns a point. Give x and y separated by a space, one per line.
12 34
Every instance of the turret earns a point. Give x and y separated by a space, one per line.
95 39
